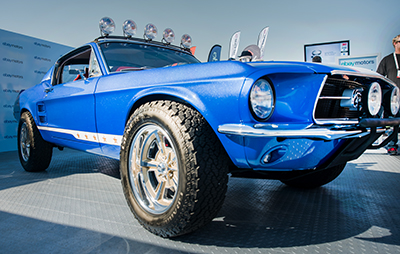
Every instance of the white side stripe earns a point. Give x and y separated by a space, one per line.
108 139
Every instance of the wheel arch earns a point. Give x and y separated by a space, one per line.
197 105
155 97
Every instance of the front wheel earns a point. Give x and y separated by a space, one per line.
173 168
34 153
316 179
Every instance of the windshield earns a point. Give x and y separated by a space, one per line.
124 56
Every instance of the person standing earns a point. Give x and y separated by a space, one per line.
390 68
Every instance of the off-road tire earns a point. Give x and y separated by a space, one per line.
34 153
202 168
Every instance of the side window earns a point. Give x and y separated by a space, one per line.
72 72
80 64
94 68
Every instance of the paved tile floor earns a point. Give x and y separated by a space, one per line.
77 206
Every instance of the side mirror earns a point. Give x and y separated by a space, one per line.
82 73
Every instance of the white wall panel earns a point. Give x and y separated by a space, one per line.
23 62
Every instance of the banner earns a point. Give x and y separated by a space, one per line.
234 45
369 62
215 53
23 62
262 40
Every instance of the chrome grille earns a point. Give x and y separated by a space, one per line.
328 105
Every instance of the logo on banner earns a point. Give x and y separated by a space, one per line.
40 72
357 63
10 91
42 45
7 75
10 121
10 136
13 60
11 45
42 58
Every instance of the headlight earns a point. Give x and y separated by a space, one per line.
395 101
374 98
262 100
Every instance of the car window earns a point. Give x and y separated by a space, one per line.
94 68
78 64
122 56
71 72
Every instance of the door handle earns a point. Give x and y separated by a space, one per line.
48 90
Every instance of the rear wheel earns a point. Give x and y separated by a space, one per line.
173 168
316 179
34 153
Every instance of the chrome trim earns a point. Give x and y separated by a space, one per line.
336 121
317 98
309 132
363 74
102 60
334 98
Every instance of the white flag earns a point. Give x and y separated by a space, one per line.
234 45
262 39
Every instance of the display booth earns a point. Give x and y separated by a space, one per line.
24 61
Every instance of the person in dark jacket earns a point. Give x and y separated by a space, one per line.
389 67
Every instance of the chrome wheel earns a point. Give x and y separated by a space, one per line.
153 169
25 142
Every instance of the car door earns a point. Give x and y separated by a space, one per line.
67 109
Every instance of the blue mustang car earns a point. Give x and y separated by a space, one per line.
179 127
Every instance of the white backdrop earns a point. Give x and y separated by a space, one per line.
23 62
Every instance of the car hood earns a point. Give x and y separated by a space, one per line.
227 70
314 67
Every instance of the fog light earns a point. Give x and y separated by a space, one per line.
274 154
186 41
129 28
106 26
150 31
168 35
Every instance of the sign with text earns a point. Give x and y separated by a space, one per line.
24 61
369 62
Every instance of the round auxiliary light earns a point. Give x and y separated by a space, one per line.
129 28
395 101
186 41
150 31
262 100
106 26
374 98
168 35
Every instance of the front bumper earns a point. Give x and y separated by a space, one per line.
309 131
286 147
